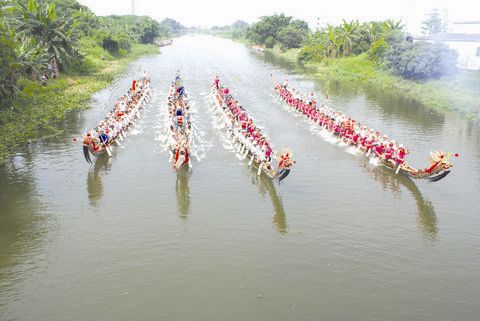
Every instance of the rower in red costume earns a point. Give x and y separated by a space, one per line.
379 148
389 152
400 157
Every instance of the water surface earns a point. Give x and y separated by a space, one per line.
339 239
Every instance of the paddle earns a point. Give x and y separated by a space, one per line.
259 169
109 152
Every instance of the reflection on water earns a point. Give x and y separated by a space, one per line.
22 225
279 61
182 190
266 185
398 105
426 213
94 179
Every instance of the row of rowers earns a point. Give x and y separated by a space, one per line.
368 140
179 109
244 127
119 118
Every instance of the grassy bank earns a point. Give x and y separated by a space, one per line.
459 92
38 109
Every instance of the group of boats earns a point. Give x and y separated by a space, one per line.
248 139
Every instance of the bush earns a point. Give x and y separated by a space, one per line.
306 54
8 72
421 60
378 51
269 42
291 37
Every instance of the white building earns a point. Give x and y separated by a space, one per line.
465 39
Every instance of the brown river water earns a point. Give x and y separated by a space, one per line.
339 239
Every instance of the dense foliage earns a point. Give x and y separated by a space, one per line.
42 38
421 60
8 70
346 39
278 29
385 44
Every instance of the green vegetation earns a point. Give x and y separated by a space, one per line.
236 30
55 54
278 29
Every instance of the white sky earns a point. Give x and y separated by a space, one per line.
206 13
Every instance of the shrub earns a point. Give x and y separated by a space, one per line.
378 51
421 60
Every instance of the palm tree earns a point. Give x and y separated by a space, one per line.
40 24
373 31
348 32
392 24
333 42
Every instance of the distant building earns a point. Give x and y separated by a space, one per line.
465 39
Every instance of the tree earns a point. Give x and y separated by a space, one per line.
347 35
392 24
172 25
239 24
421 60
293 35
40 25
434 23
33 60
290 37
378 50
8 69
149 30
332 42
265 31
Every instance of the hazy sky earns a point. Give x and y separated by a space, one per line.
206 13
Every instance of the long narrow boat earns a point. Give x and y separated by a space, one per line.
180 138
112 129
248 138
370 142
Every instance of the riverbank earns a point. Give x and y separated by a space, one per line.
38 109
458 92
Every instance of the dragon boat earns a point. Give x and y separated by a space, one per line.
389 153
248 138
113 128
180 140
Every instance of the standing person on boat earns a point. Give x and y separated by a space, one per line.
217 81
285 84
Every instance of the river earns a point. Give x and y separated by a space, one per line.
339 239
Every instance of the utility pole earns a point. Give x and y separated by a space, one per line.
133 7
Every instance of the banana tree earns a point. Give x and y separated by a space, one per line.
39 22
347 35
